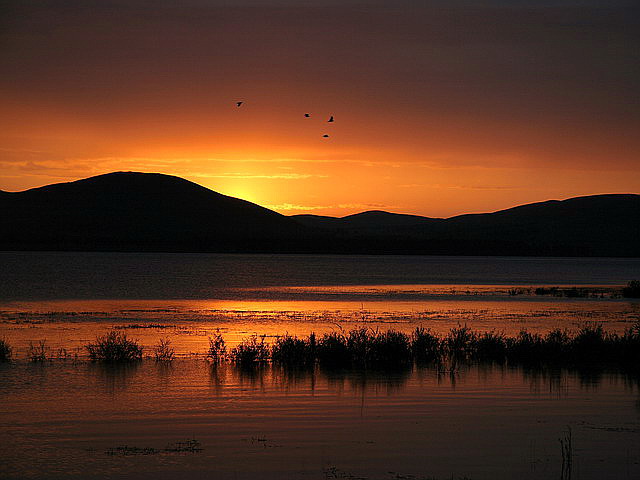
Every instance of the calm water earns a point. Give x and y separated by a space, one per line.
90 421
68 298
67 418
37 276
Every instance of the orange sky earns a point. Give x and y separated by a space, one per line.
441 108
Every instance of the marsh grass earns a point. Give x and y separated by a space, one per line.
364 347
38 352
460 342
217 348
251 351
490 346
114 347
332 350
163 351
425 346
632 290
294 352
590 348
5 350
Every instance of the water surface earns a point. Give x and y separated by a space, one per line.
74 419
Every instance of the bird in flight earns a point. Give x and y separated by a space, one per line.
330 119
307 115
239 103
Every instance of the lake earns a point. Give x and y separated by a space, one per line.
71 418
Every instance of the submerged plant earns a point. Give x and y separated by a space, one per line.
490 346
632 290
292 351
251 351
114 347
332 350
217 348
163 352
591 343
426 346
390 349
525 348
460 342
38 353
5 350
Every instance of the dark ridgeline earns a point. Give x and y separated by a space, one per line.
129 211
138 211
597 225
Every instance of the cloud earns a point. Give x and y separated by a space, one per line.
280 176
288 207
458 186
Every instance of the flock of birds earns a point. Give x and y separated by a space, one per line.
306 115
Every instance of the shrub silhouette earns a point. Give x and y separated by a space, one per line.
217 348
114 347
163 352
632 290
5 350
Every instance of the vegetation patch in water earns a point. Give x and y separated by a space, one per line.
5 350
632 290
114 347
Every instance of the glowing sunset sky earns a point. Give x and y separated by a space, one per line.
441 107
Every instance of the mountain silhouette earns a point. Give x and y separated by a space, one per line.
138 211
371 220
596 225
128 211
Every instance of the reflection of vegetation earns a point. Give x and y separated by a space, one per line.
5 350
632 290
566 448
114 347
115 376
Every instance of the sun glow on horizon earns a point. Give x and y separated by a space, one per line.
422 125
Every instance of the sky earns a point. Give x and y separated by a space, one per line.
441 107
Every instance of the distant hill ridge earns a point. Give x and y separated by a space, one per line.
130 211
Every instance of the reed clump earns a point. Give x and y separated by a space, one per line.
5 350
251 351
291 351
217 348
163 351
332 350
364 347
38 352
460 342
426 346
632 290
370 348
490 346
114 347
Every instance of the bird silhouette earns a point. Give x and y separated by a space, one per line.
307 115
330 119
239 103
